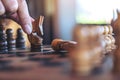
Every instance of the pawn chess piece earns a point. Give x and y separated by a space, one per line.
88 52
60 45
36 37
108 40
3 42
109 43
10 40
20 41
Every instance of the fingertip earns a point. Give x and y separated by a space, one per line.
27 28
32 19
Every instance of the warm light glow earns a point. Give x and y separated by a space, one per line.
14 26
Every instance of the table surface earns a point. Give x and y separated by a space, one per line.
49 65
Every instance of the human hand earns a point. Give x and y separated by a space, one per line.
17 10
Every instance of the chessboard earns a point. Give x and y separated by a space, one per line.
45 65
92 55
53 62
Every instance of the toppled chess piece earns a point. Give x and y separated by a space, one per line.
36 37
60 45
20 40
10 40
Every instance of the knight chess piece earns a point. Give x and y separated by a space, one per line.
3 42
20 40
116 30
36 37
37 46
10 40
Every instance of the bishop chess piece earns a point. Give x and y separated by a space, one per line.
10 40
36 37
3 42
20 40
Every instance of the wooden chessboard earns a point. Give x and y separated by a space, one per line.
46 65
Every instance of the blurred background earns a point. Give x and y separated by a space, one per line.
62 15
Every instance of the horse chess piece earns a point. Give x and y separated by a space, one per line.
116 30
20 41
3 42
36 37
10 40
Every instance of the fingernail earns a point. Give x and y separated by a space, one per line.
28 28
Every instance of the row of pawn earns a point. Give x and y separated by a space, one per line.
8 43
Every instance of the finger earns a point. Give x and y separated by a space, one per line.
24 16
32 19
15 17
11 6
2 9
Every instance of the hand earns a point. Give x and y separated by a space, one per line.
17 10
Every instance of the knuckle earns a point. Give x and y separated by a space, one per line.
2 11
21 1
13 8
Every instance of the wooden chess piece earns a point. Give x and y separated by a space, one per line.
10 40
116 62
20 40
116 30
108 40
3 42
36 37
88 52
60 45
